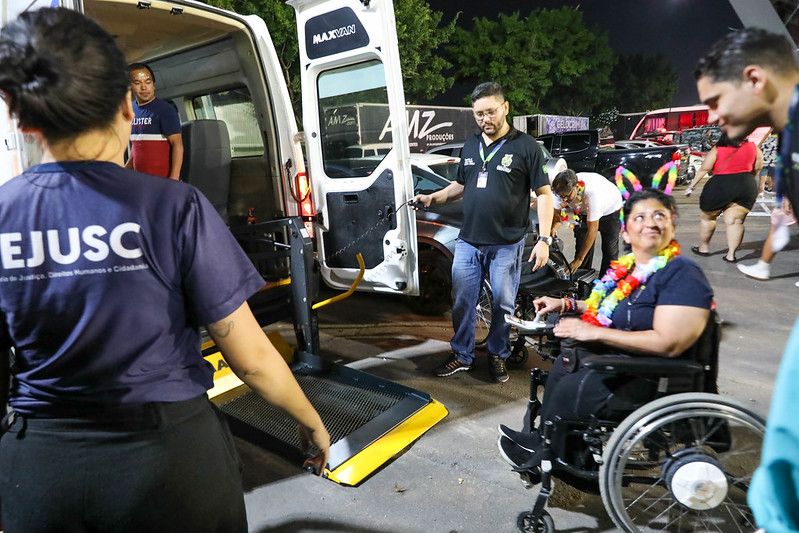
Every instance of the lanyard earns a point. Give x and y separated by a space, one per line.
493 152
784 154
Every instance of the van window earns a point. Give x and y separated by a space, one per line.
236 109
343 92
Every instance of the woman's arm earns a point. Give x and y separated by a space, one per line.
706 168
758 163
674 329
259 365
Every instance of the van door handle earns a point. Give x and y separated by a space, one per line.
350 198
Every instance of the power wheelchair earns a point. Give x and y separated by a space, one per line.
678 460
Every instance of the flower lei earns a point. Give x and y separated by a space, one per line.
620 281
576 206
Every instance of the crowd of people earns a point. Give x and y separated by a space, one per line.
110 381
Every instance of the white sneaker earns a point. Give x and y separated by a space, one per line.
759 270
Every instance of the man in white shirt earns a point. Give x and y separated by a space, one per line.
590 203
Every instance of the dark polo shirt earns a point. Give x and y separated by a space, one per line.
499 212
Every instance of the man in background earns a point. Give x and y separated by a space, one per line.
156 143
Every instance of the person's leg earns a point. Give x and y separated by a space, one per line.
580 234
762 269
707 226
734 218
152 472
609 230
467 279
504 269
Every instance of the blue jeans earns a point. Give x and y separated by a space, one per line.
502 263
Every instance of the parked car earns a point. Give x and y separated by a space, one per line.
636 143
582 153
366 150
443 165
451 149
553 164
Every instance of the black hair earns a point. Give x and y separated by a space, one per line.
137 66
489 88
61 73
564 182
649 194
751 46
725 140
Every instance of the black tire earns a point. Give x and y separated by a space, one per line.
544 524
518 355
435 284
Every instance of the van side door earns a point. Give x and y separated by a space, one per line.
349 56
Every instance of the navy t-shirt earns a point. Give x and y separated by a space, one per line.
106 275
499 212
680 282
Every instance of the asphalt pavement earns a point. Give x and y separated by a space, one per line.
452 479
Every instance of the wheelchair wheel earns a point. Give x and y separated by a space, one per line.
483 318
682 463
544 523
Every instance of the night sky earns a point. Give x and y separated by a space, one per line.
681 30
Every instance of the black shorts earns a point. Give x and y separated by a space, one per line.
725 189
161 467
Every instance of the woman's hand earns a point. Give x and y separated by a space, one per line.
320 438
547 304
574 328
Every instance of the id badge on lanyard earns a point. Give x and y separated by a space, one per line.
482 179
482 176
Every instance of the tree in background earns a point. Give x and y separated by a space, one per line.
421 35
643 83
418 31
582 62
548 62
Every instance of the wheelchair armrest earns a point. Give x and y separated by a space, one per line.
659 366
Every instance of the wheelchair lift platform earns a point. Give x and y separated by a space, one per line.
370 419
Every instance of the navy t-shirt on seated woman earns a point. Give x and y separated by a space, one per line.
116 271
680 282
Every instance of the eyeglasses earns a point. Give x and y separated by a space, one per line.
489 113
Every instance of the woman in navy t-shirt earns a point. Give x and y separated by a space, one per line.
106 276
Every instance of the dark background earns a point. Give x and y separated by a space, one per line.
680 30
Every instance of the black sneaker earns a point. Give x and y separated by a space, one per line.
451 366
513 454
530 441
496 367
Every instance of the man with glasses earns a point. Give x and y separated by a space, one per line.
591 204
498 168
750 79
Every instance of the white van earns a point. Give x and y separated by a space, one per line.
220 68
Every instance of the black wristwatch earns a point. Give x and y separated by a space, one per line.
547 240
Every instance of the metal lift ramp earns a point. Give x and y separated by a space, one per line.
370 419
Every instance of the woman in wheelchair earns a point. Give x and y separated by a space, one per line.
651 302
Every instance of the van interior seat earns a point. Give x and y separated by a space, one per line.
206 161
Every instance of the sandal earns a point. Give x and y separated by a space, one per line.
695 249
